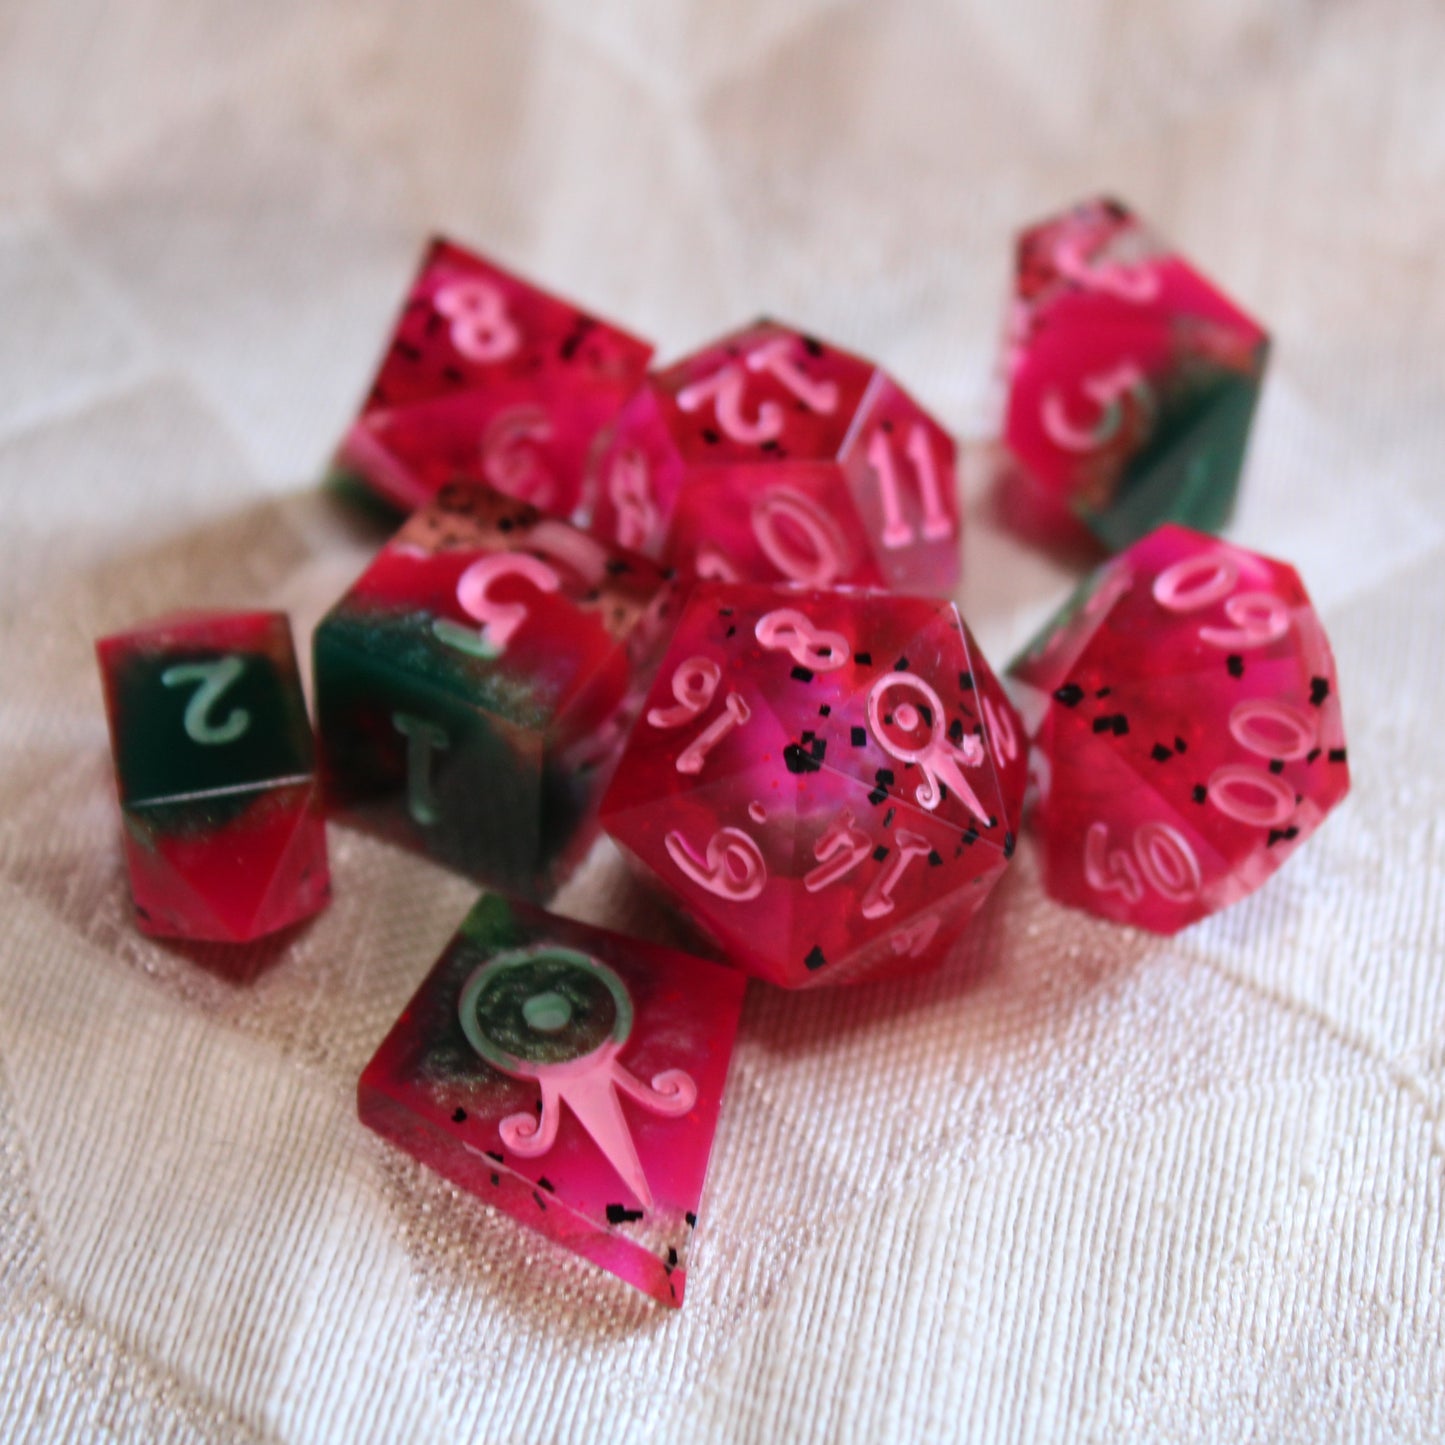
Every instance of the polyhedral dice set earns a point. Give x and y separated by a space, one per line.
707 608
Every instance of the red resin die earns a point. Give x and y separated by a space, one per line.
1132 381
568 1076
474 686
828 783
490 378
1186 729
224 836
769 456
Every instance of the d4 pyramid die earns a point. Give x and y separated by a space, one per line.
770 456
571 1078
224 837
1187 730
827 783
1132 380
488 377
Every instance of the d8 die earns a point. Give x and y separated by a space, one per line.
224 837
1132 380
487 377
1187 730
829 783
569 1077
474 685
769 456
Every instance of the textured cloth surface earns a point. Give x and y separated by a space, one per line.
1080 1184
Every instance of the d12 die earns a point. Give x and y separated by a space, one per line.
474 686
1187 730
768 456
571 1078
827 782
1132 381
224 836
489 378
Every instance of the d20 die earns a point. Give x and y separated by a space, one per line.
768 456
224 837
568 1076
1186 727
490 378
474 686
828 782
1132 380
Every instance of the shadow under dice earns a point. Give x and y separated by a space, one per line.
1132 381
569 1076
224 837
475 685
769 456
1187 730
488 377
828 783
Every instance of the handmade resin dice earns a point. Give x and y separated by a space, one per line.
490 378
474 686
769 456
1186 727
827 782
568 1076
1131 380
224 836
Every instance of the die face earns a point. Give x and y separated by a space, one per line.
568 1076
814 772
489 377
474 684
224 837
1132 380
1192 736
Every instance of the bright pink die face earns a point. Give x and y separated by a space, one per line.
1187 730
571 1078
488 377
770 456
828 783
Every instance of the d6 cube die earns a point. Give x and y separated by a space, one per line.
224 837
490 378
568 1076
1132 380
828 783
1187 730
769 456
474 685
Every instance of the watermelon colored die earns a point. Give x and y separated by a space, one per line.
1132 380
224 836
827 782
1186 726
769 456
570 1077
491 378
474 686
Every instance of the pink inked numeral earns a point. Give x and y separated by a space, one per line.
734 714
713 564
939 759
1138 284
1258 618
732 865
726 386
816 648
1161 858
1273 729
1109 870
912 940
694 685
481 329
820 560
878 900
1196 582
1001 731
937 524
1109 391
1251 796
499 620
509 457
839 851
630 488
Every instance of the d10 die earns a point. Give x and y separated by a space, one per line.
1132 380
1187 730
768 456
571 1078
224 837
488 377
829 783
474 686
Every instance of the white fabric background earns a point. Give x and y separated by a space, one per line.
1082 1184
